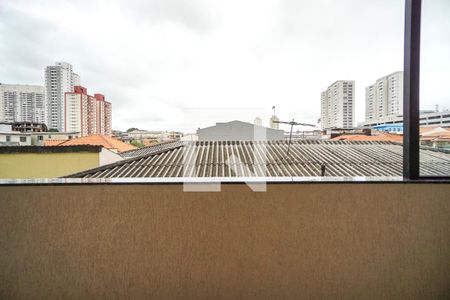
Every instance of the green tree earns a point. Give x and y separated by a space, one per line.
137 143
132 129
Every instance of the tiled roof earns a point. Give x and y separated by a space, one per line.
436 134
101 140
151 149
246 159
426 130
53 142
360 137
438 137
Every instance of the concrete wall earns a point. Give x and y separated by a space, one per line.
238 131
45 165
296 241
108 157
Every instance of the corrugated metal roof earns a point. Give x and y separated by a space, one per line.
151 149
269 158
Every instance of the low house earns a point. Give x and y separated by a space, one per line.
26 134
14 138
239 131
26 162
8 137
436 137
46 138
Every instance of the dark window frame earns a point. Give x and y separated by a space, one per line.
411 99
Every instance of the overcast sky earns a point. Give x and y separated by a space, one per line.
184 64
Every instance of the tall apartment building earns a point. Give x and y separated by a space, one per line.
59 79
337 105
22 103
385 97
87 114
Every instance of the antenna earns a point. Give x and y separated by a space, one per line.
292 123
273 108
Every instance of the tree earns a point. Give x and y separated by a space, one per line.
137 143
132 129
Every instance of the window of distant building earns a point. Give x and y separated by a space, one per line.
8 138
23 139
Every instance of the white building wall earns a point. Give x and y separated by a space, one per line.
73 107
338 105
238 131
22 103
324 109
107 157
15 139
370 102
387 98
59 79
75 80
395 94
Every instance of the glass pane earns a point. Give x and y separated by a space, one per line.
434 95
324 78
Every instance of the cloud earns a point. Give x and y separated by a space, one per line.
159 61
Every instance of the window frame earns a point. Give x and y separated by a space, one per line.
411 94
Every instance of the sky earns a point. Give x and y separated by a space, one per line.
186 64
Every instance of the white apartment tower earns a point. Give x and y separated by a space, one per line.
59 79
337 105
22 103
385 97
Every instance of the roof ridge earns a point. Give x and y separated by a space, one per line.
104 137
121 162
150 146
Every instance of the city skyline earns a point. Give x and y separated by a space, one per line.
162 64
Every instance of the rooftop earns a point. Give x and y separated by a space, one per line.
151 149
44 149
361 137
269 159
53 142
101 140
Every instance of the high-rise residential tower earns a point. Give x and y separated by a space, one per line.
338 105
385 97
87 114
59 79
22 103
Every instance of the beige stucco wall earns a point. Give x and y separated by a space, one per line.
45 165
296 241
